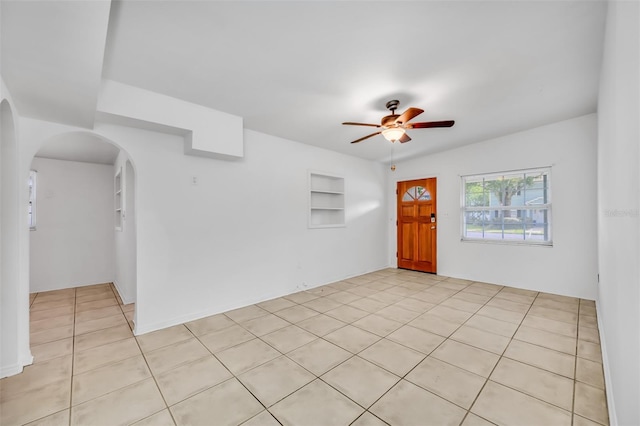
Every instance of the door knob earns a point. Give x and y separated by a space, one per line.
433 227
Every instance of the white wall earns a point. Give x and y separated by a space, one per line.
569 267
618 211
240 236
73 241
14 291
125 239
207 132
14 343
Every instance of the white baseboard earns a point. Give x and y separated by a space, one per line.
10 370
613 419
13 369
125 297
147 328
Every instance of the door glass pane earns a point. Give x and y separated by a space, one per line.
423 194
410 194
416 193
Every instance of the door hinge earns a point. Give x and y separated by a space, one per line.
396 192
396 223
396 254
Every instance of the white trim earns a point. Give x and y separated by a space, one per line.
524 242
33 203
613 419
148 328
505 208
335 212
508 172
123 295
118 195
10 370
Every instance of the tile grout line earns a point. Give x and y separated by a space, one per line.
436 348
352 355
575 367
517 390
145 361
233 376
400 377
500 357
378 340
404 376
155 381
316 377
141 353
73 351
312 373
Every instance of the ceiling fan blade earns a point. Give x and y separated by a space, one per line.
404 138
428 124
350 123
408 115
366 137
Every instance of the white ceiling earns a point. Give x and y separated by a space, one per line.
297 69
80 146
52 54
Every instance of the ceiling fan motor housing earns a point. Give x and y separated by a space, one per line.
392 105
389 120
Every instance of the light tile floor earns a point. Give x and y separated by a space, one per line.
391 347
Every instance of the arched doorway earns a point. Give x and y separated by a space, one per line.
14 310
83 243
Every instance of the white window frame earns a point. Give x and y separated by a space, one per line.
490 176
33 182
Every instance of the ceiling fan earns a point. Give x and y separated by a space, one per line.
394 126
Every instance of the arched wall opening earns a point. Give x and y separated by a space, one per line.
14 342
85 217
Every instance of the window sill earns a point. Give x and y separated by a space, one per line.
509 243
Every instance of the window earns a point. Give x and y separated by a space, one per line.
513 207
32 199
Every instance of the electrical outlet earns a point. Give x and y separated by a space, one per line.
194 180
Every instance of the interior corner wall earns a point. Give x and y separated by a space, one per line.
125 238
240 235
14 277
618 211
9 253
72 244
567 268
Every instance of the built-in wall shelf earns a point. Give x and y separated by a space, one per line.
326 200
118 200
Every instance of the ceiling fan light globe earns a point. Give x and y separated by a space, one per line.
392 134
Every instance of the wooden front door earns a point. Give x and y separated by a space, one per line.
417 228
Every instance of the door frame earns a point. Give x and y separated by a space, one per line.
394 254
